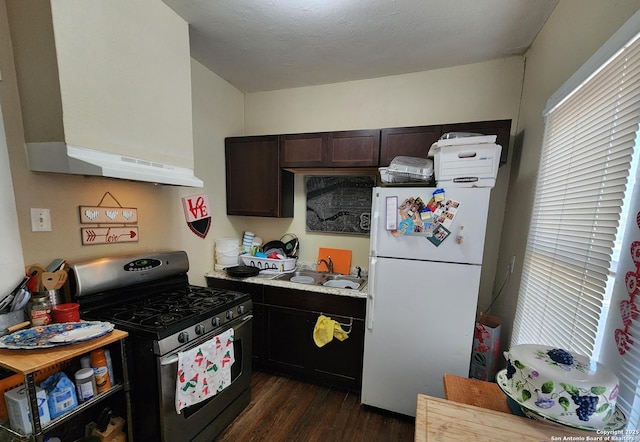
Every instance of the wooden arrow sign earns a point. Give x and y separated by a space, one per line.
108 235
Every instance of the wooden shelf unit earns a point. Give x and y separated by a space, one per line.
29 362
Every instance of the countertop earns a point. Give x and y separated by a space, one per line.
443 420
268 279
29 361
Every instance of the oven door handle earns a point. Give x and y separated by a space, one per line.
174 358
169 361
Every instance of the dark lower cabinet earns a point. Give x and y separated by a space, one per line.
283 324
290 347
340 363
287 338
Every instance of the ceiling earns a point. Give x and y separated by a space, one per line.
279 44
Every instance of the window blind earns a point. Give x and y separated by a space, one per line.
585 159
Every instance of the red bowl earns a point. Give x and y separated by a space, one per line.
69 312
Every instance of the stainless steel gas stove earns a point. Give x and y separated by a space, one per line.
149 296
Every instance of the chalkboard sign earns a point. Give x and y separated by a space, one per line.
339 203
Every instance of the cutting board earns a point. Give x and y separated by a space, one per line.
442 420
341 260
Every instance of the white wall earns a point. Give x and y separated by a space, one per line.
575 30
475 92
11 260
217 112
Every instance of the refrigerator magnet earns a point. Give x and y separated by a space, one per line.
426 215
440 233
392 213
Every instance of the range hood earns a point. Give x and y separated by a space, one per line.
60 157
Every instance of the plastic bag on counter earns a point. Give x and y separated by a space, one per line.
61 394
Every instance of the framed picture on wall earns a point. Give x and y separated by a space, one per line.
339 203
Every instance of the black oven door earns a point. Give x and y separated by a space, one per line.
205 420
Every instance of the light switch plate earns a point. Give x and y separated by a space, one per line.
40 220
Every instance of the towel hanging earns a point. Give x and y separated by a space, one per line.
326 329
205 370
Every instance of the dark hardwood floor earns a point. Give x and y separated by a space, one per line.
284 409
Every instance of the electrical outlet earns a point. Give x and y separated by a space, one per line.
40 220
512 264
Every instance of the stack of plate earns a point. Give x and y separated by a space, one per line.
227 252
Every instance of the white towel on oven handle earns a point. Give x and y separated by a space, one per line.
205 370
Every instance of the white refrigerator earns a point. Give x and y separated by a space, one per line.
422 291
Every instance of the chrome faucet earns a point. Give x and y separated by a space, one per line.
329 263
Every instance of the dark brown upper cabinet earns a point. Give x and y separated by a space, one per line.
304 150
407 141
354 148
256 185
500 128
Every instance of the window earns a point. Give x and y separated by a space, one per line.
591 126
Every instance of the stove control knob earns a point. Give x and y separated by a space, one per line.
200 329
215 322
183 337
230 314
241 309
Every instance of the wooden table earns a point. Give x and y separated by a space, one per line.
475 392
443 420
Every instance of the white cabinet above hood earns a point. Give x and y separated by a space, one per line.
105 88
63 158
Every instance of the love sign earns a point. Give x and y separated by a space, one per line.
197 213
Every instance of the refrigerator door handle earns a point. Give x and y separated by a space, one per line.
371 292
375 215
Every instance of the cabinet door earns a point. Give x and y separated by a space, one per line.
340 362
290 348
303 150
288 339
407 141
256 186
354 148
500 128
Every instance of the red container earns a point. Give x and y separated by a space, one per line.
66 312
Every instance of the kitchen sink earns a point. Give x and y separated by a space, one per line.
325 279
343 281
302 277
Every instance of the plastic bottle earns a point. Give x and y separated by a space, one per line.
85 362
101 370
107 355
85 384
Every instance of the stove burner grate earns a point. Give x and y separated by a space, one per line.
164 309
